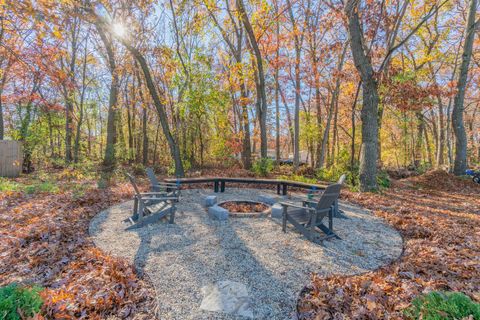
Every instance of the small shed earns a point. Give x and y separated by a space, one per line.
10 158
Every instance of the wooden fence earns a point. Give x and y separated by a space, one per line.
10 158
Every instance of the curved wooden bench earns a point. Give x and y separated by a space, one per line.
219 183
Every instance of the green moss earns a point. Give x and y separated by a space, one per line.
43 187
8 185
443 306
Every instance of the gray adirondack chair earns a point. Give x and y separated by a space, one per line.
168 189
150 207
337 213
309 216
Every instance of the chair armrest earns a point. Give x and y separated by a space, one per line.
314 196
153 193
159 198
167 185
309 201
293 205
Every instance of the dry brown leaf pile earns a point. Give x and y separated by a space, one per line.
438 216
45 241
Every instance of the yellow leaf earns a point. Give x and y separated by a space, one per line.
56 33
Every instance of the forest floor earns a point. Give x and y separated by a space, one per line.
44 240
438 216
44 220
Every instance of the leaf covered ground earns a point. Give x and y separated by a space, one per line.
438 216
44 241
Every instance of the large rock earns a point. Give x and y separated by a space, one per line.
209 201
218 213
227 297
277 211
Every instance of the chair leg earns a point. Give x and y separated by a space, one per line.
172 214
284 191
313 223
135 208
330 219
141 207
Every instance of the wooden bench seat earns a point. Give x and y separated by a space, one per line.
219 183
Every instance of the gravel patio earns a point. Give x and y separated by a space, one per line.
244 267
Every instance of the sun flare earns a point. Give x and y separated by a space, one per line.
119 29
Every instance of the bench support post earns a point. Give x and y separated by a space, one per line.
284 191
222 186
215 186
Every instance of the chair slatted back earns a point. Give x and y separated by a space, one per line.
342 179
152 177
329 196
133 182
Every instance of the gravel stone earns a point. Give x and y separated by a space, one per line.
198 252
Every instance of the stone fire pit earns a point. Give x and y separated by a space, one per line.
245 208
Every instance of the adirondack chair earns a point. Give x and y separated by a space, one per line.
150 207
168 189
337 213
309 216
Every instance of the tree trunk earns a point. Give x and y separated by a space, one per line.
277 98
428 148
131 153
2 123
160 107
369 113
4 78
419 142
145 137
296 117
331 111
76 147
68 130
109 156
352 146
289 117
1 118
335 143
68 98
471 128
319 113
460 164
326 135
247 148
261 95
